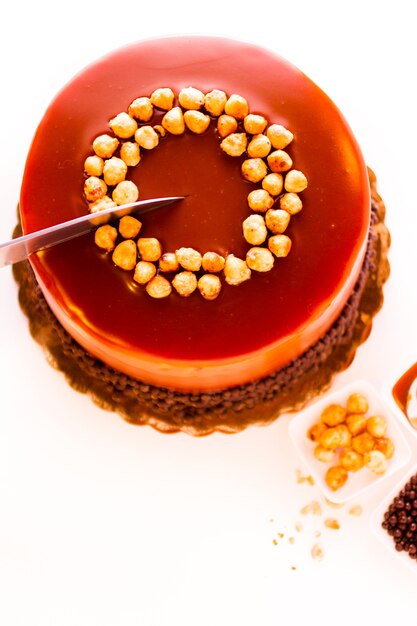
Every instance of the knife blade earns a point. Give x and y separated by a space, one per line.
20 248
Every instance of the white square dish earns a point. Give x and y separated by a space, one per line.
364 478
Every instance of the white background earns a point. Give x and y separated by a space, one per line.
102 523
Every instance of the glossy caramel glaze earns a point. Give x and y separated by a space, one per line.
250 330
401 389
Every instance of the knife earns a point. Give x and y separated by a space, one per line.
20 248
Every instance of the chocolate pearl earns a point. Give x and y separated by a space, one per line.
398 547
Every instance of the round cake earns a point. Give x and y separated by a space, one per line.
200 360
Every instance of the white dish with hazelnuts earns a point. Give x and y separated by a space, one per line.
350 440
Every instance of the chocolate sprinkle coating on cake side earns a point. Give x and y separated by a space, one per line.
228 410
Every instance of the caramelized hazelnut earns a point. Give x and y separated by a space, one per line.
234 144
254 229
141 109
168 262
209 286
254 170
94 188
105 237
376 426
185 283
147 137
124 255
196 121
191 98
130 153
214 102
159 287
363 443
255 124
93 165
235 270
213 262
259 146
336 477
129 227
356 423
162 98
279 136
280 245
149 248
114 171
351 460
123 126
226 125
291 203
357 403
144 272
279 161
277 221
260 200
173 121
189 259
333 415
259 259
273 183
236 106
295 181
104 146
125 192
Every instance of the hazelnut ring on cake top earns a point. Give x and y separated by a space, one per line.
185 361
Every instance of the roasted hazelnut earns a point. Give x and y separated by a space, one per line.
104 146
213 262
345 435
259 146
189 259
185 283
226 125
196 121
363 443
279 136
236 106
147 137
260 200
144 272
149 248
376 426
234 144
114 171
291 203
129 227
168 262
273 183
255 124
214 102
173 121
295 181
277 220
375 461
259 259
191 98
162 98
93 165
105 237
330 438
254 229
94 188
316 431
336 477
101 205
280 245
123 126
357 403
356 423
209 286
325 455
159 287
124 255
141 109
253 170
385 445
130 153
279 161
351 460
125 192
333 415
236 270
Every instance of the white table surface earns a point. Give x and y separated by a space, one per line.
102 523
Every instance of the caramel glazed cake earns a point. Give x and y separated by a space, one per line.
240 301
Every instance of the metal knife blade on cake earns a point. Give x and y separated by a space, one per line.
20 248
